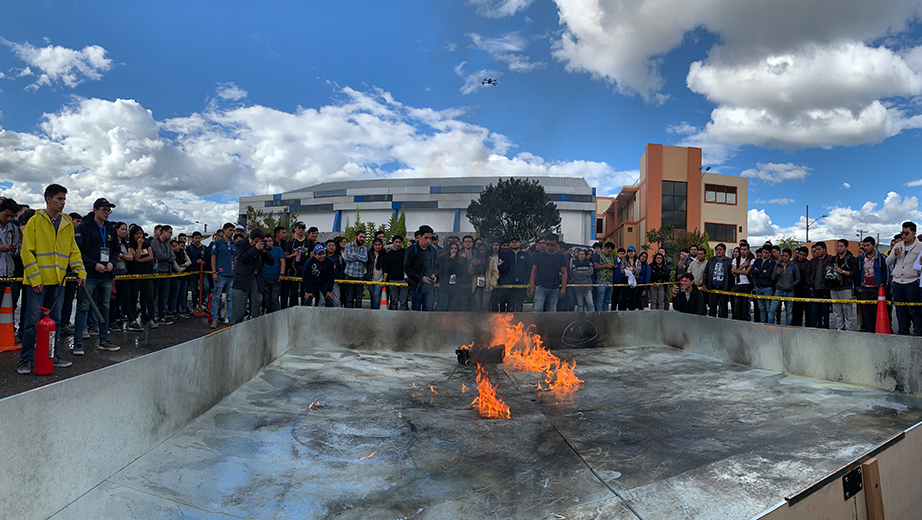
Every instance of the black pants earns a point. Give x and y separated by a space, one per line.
498 300
741 304
800 308
717 305
868 311
619 298
146 290
350 294
818 313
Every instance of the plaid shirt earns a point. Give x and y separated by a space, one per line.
355 257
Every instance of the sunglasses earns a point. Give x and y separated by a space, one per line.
908 232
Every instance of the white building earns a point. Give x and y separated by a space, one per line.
439 202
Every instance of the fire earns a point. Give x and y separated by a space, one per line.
311 406
488 405
466 347
463 388
369 456
525 350
431 387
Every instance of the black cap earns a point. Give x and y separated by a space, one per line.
300 225
100 203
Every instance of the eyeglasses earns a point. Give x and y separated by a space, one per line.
106 210
908 232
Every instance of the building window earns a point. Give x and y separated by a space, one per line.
288 202
329 193
720 232
420 204
719 194
373 198
314 208
599 226
630 230
675 204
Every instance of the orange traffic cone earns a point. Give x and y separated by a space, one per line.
383 298
883 316
7 333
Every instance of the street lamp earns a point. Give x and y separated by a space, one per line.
206 227
807 237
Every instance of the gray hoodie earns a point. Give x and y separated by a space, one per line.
788 279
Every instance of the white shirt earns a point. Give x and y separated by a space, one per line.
6 240
737 262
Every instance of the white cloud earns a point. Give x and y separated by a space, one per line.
782 202
500 8
785 73
840 222
474 81
451 47
915 183
171 171
231 91
61 65
505 49
773 173
846 185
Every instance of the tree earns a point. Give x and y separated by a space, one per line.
269 220
368 228
515 207
686 239
396 226
788 243
663 236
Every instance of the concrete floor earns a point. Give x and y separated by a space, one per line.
654 433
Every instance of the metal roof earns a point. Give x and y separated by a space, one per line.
557 182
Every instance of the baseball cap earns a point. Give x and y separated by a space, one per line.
101 203
319 249
300 225
631 248
238 226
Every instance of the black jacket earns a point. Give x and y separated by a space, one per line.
812 266
413 266
318 274
393 264
850 264
515 268
249 265
90 241
659 273
709 274
762 271
693 305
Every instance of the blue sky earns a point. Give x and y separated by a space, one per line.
174 109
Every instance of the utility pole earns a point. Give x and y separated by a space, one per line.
861 233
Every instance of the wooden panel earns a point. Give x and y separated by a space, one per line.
874 499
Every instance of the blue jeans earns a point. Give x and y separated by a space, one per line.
374 294
603 297
818 313
224 284
767 315
907 292
545 297
101 291
48 299
426 297
788 306
179 286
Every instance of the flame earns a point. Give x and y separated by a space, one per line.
369 456
525 350
311 406
466 347
463 388
488 405
414 385
433 390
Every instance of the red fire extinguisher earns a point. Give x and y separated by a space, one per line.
44 345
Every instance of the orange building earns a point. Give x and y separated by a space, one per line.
673 188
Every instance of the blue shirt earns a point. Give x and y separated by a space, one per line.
274 271
224 253
355 257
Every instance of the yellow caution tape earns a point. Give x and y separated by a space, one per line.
807 300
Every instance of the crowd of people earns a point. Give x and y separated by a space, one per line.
62 257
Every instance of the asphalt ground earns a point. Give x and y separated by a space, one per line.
133 345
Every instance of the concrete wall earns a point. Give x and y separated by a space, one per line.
61 440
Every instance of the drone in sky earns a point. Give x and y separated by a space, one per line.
488 81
